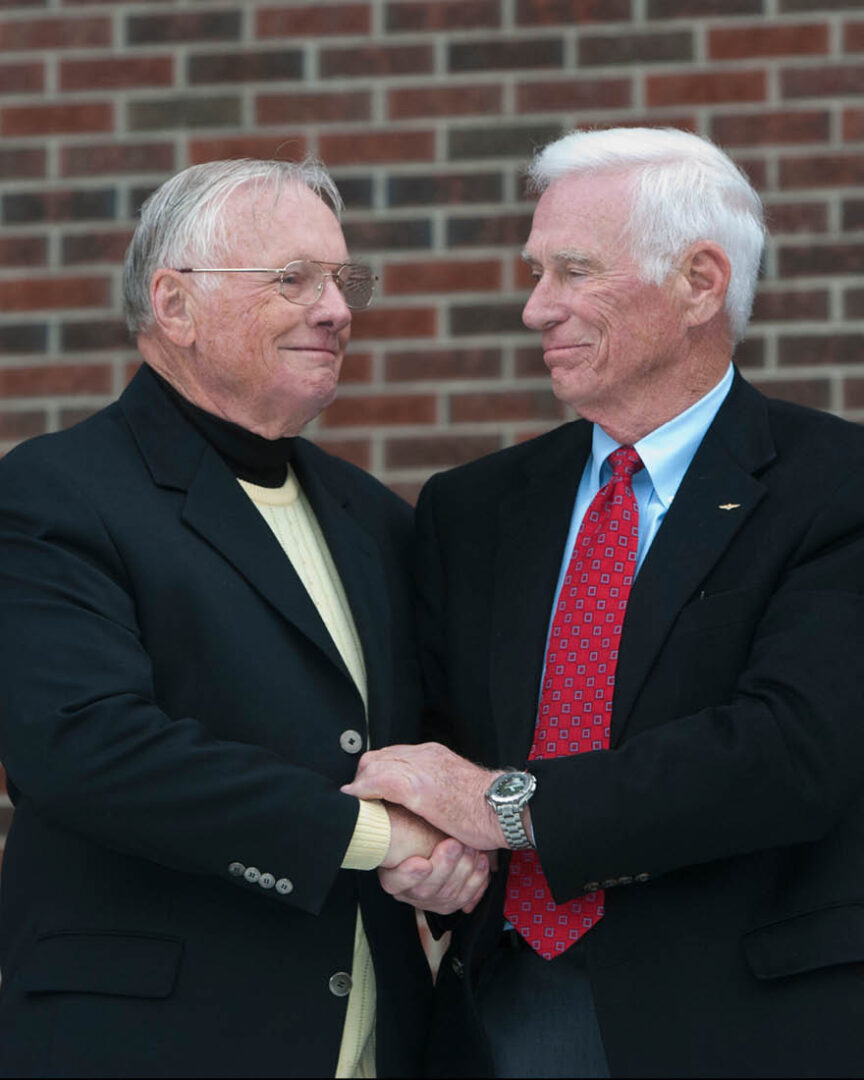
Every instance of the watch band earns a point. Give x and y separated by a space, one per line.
510 818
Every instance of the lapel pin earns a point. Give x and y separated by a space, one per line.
728 506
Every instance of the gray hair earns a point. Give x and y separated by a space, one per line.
684 189
182 223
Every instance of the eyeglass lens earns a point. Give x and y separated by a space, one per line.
302 282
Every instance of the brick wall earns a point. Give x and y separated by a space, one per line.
425 112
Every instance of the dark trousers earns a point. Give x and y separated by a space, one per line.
539 1014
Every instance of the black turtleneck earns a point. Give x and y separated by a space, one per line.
249 456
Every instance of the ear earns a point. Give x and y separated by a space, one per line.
703 281
173 307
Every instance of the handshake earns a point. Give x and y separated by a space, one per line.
444 836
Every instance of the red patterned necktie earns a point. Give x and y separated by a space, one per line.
578 683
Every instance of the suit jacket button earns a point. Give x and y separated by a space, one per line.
236 869
284 886
252 873
340 984
267 881
643 877
591 886
458 967
351 741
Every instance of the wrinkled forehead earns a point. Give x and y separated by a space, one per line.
282 221
586 213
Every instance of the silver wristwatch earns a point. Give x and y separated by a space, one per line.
508 796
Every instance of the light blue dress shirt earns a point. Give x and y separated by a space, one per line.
666 454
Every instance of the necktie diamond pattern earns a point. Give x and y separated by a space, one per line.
578 683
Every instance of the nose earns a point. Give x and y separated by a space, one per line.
330 308
542 309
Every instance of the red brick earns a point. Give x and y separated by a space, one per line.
21 78
796 217
183 27
821 349
26 163
356 367
41 294
54 33
313 21
23 424
50 379
436 364
116 73
95 247
23 250
672 9
824 170
806 260
853 215
853 124
529 363
437 451
377 60
822 82
708 88
816 393
572 93
637 48
750 354
381 410
444 15
56 119
444 101
758 129
244 65
504 405
357 451
280 147
853 393
394 323
372 147
505 54
409 490
312 108
853 304
451 276
567 12
737 43
95 159
853 37
789 306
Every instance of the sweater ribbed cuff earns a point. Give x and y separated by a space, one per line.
371 840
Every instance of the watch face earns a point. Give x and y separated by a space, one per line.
511 786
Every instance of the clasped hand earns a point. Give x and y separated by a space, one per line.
443 833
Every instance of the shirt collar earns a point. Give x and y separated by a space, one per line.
667 451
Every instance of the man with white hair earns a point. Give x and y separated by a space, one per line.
204 620
647 627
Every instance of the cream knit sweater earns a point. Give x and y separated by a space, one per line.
288 513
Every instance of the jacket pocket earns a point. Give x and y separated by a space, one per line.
721 609
103 962
806 942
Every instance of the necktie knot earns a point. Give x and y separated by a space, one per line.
625 462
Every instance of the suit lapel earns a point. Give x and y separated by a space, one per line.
533 525
358 560
217 508
716 496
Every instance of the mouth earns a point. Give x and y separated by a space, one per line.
320 351
556 354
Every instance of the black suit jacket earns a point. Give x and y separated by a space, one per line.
171 704
726 822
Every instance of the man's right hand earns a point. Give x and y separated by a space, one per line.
429 870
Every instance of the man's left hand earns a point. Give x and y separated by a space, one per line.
438 785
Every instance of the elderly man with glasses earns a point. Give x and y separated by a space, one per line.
204 621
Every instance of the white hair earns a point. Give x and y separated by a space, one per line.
685 189
182 222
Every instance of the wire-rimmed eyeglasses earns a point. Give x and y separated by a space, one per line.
302 281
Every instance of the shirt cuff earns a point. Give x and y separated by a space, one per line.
371 840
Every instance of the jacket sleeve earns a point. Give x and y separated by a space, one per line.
84 740
777 764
